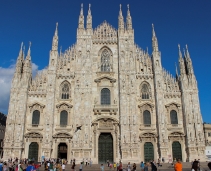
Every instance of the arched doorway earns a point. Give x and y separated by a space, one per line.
105 148
148 151
176 150
62 151
33 151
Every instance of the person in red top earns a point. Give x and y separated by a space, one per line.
120 166
178 165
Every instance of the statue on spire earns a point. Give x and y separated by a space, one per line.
55 39
89 19
81 19
129 19
154 40
121 19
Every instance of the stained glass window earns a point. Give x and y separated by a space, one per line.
36 117
65 91
174 119
63 118
147 117
145 91
105 61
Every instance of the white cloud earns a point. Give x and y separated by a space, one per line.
6 75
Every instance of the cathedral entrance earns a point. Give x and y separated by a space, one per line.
105 148
148 152
33 151
176 150
62 151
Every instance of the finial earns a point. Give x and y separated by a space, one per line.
82 9
128 6
89 6
120 5
153 30
21 49
29 50
128 11
56 31
89 11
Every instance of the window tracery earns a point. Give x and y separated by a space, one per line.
65 90
105 61
145 92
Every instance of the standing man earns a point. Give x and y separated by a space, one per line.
178 165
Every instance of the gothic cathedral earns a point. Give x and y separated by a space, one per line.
104 98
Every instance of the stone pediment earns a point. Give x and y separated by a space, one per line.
63 106
36 106
98 80
62 135
176 134
172 103
146 104
105 119
33 135
147 134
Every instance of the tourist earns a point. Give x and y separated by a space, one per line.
128 167
108 163
195 166
120 166
178 165
90 162
1 166
102 167
86 161
81 167
63 167
73 166
51 166
110 166
114 165
134 167
163 160
209 165
142 166
30 167
154 168
145 167
5 168
117 166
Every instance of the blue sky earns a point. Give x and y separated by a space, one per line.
176 21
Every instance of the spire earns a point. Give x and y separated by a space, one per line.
180 53
81 19
121 19
176 70
19 63
21 50
55 39
89 19
154 40
27 62
188 61
29 50
181 62
129 19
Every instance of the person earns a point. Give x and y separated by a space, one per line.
30 167
142 166
86 162
178 165
134 167
154 168
114 165
117 166
145 167
102 167
73 166
51 166
5 168
90 162
120 166
1 166
63 167
128 167
81 167
195 166
108 163
110 166
209 165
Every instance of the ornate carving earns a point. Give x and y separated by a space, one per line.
63 106
36 106
33 135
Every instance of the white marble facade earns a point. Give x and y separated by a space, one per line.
143 96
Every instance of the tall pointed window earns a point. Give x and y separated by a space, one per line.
147 117
145 91
65 90
173 115
63 118
105 61
105 96
36 118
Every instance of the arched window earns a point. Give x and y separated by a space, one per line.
145 91
63 118
65 91
147 117
173 115
105 61
105 96
36 117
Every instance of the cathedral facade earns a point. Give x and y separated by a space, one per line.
104 98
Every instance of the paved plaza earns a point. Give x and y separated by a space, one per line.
165 167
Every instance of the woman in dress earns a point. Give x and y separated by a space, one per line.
128 167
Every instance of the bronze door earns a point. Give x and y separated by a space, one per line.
148 152
33 151
176 150
105 148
